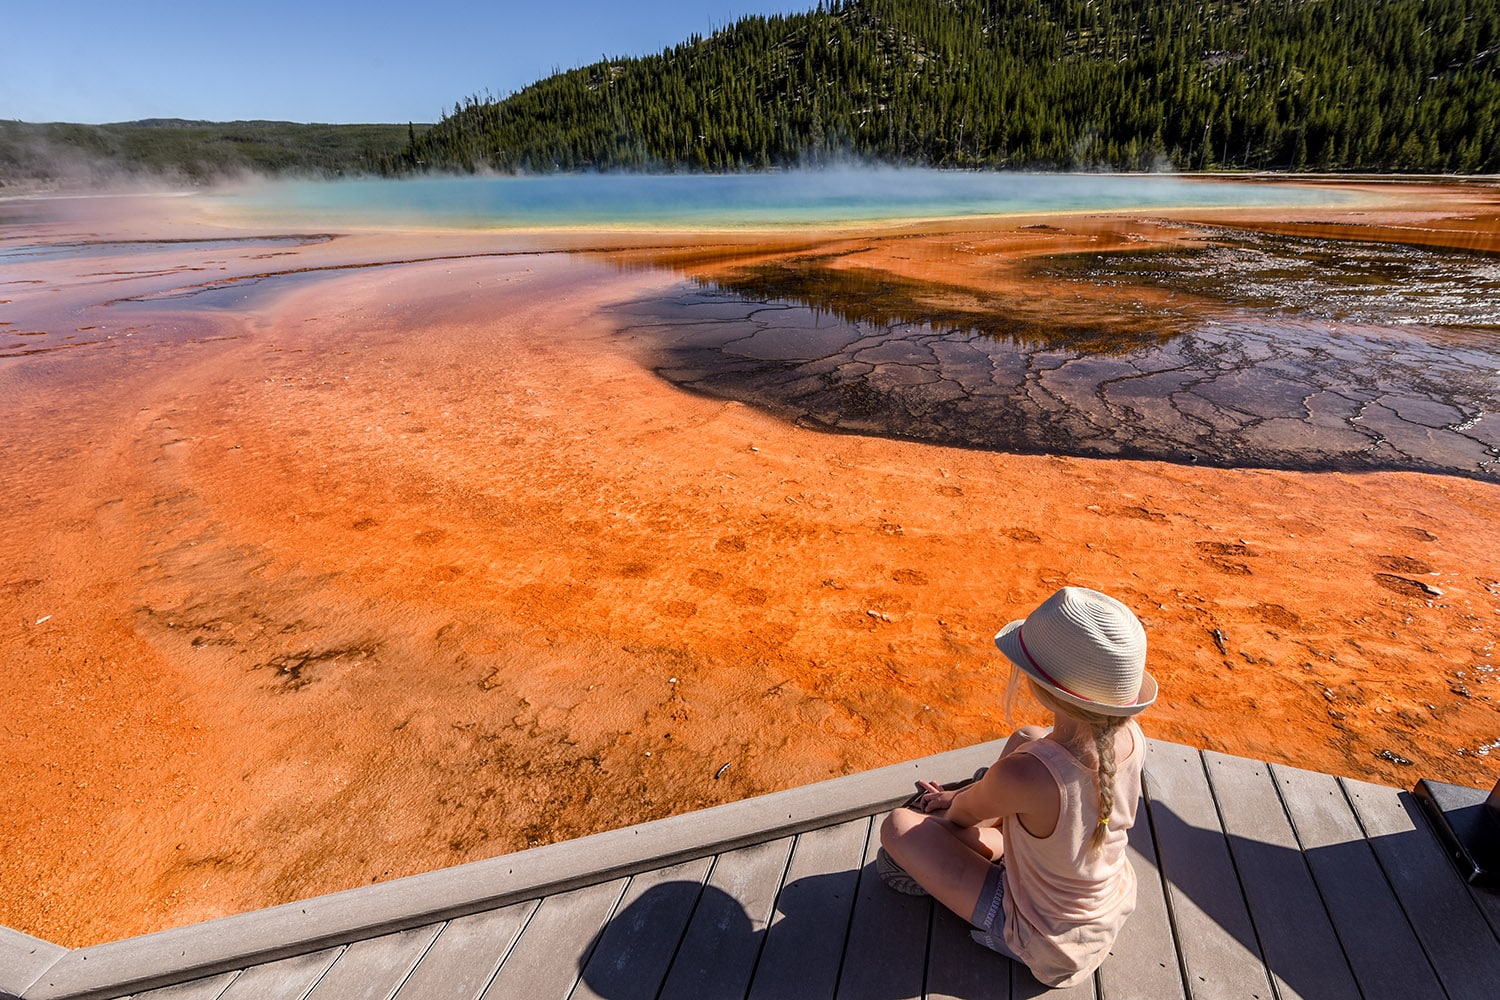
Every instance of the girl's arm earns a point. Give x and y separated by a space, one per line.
1017 783
936 798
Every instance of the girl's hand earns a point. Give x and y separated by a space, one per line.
934 798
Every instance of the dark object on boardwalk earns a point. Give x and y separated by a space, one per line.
1469 826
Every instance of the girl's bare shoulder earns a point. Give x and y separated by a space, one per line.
1022 782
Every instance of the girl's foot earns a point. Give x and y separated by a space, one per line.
895 876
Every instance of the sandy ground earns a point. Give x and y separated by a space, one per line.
414 565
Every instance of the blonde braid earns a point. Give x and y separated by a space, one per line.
1104 728
1104 746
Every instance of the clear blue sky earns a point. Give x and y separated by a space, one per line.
317 60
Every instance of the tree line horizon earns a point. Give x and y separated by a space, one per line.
1356 86
1328 86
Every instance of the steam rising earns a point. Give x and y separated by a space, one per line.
33 162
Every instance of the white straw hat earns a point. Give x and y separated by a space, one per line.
1085 648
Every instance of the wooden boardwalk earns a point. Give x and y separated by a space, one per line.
1257 882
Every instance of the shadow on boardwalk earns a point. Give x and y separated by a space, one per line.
1351 918
1256 881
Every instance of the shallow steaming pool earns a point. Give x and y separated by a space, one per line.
718 201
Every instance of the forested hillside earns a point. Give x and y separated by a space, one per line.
1342 85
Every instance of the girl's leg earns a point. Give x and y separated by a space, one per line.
948 861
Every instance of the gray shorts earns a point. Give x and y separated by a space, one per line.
989 913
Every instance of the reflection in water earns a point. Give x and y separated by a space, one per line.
228 295
105 282
1375 283
1283 353
112 248
877 298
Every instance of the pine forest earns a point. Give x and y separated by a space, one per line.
1409 86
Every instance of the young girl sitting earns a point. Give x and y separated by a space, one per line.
1032 852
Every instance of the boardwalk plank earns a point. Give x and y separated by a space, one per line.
545 961
23 959
288 979
1488 901
207 988
375 969
466 954
1296 934
724 939
1025 986
1143 963
1453 932
231 943
805 941
885 957
635 948
959 969
1216 849
1217 939
1387 960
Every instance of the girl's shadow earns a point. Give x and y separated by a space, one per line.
684 940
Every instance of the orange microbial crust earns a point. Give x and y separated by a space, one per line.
387 568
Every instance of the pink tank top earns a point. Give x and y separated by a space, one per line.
1063 906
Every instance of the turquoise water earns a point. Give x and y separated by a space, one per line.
698 201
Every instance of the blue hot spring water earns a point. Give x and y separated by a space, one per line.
714 201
